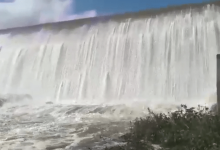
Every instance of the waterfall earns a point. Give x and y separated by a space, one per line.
167 57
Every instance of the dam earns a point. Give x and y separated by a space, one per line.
166 56
90 77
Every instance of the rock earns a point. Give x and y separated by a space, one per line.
49 102
13 98
11 138
214 108
2 101
1 104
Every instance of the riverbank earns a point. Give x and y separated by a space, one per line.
188 128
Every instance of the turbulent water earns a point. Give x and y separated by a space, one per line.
166 59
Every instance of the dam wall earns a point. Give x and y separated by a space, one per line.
144 56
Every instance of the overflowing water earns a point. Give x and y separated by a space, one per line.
166 59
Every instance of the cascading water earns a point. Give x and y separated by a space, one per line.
166 57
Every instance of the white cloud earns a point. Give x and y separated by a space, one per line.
30 12
87 14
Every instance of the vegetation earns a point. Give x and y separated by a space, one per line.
185 129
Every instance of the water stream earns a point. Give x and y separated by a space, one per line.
101 69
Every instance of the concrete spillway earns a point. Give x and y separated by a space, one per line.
165 57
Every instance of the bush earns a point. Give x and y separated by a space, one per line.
186 129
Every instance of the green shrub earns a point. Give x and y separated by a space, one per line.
186 129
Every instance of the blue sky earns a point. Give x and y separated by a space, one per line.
121 6
16 13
